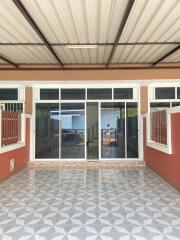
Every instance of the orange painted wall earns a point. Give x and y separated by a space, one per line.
21 156
166 165
117 74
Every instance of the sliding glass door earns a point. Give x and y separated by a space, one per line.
132 129
92 130
60 130
87 130
112 130
119 130
72 129
47 130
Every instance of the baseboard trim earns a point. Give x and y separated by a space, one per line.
13 173
166 179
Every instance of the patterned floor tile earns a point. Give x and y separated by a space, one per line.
88 204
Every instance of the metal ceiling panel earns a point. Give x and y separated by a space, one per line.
27 54
173 58
152 21
141 53
84 56
77 21
2 62
13 26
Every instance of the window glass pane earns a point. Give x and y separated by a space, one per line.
113 130
49 94
8 94
159 105
13 107
47 130
72 94
101 93
132 130
175 104
165 93
123 93
72 130
92 123
178 92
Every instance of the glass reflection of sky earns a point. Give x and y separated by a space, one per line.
109 117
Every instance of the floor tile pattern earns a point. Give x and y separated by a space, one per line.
88 204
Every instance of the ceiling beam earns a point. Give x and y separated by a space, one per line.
120 30
9 61
90 68
99 44
167 55
25 13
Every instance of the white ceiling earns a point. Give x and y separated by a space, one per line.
153 21
83 56
28 54
90 21
140 53
174 57
77 21
13 26
2 62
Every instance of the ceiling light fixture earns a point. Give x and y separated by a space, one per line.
82 46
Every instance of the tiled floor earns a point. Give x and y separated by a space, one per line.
109 204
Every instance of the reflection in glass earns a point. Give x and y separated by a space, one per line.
92 130
123 93
8 94
132 130
99 93
175 104
178 92
49 94
165 93
113 130
72 94
72 130
154 106
47 130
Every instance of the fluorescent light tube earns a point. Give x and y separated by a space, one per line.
82 46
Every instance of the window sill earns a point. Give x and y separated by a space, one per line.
12 147
160 147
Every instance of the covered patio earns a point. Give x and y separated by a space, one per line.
89 119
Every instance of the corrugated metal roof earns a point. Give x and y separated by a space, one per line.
91 21
13 26
28 54
84 56
173 58
77 21
2 62
152 21
141 53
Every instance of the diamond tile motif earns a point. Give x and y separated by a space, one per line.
88 204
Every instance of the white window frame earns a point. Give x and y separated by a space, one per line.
158 146
21 99
80 85
151 99
151 94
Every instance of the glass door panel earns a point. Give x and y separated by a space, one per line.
113 130
132 129
92 130
47 130
72 126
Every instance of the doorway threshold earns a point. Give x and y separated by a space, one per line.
92 160
84 164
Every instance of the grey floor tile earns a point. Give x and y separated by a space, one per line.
93 204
